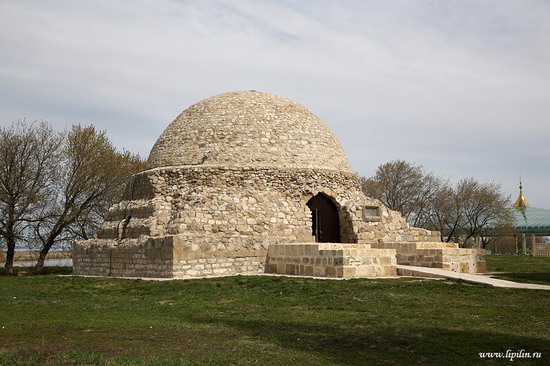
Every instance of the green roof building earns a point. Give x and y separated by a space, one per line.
530 222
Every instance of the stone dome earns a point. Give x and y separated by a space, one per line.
250 129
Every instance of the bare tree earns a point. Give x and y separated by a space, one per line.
404 187
483 206
444 213
29 156
460 213
469 210
94 174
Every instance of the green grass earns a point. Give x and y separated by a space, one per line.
520 268
65 320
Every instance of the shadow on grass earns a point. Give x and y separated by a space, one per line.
84 357
366 344
540 278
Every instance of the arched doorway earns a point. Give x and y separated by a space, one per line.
325 225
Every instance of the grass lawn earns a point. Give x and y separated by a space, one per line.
65 320
520 268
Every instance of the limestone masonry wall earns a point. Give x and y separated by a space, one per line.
168 257
236 212
129 258
234 204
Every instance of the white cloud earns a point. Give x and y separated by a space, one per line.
458 86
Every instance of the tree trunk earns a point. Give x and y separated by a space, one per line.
10 253
47 245
39 268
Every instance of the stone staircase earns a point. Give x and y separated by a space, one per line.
447 256
342 260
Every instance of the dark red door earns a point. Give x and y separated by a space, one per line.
325 225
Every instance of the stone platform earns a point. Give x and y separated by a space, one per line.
330 260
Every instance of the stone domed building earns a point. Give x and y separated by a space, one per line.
248 182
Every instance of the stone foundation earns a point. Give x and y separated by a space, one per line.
330 260
178 256
164 257
447 256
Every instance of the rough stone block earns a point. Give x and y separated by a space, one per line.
349 272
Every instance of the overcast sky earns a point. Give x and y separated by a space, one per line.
461 87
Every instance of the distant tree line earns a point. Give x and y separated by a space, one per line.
461 212
57 187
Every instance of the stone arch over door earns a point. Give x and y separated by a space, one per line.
325 219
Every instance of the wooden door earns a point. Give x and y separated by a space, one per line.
325 222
